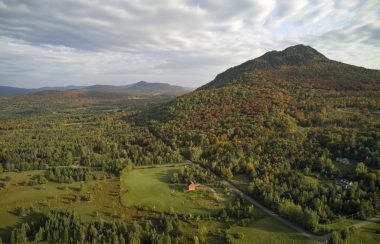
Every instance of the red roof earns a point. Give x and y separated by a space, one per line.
192 187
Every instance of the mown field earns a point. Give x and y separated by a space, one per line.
152 188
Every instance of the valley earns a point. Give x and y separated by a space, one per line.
290 131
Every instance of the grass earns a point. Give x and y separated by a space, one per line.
151 188
145 187
339 225
366 235
105 202
267 230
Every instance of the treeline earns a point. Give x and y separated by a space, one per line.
61 226
193 173
69 174
66 227
239 209
338 237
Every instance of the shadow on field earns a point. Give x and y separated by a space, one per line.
5 233
165 175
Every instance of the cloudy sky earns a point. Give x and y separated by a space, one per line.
183 42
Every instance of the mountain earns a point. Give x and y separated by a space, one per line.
58 88
144 86
8 91
275 125
302 65
141 87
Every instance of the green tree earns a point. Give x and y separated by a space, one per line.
361 169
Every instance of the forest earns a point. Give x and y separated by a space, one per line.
285 131
299 132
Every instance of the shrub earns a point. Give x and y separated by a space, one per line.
238 235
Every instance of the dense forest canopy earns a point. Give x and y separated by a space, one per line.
283 120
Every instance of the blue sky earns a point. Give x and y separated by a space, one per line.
182 42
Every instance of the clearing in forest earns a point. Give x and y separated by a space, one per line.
152 188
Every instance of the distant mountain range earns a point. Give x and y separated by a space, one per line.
141 87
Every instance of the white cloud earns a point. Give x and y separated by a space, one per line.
186 42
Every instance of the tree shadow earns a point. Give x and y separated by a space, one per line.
6 232
164 176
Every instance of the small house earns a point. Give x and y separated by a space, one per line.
191 187
344 183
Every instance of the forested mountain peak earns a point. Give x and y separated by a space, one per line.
294 55
298 65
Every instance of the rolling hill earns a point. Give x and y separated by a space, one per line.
9 91
141 87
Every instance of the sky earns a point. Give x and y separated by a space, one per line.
181 42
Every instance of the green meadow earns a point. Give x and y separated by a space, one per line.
266 230
105 202
152 188
369 234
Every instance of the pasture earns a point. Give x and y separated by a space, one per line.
152 188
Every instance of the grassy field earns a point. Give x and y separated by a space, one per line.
151 188
267 230
369 234
140 187
105 202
